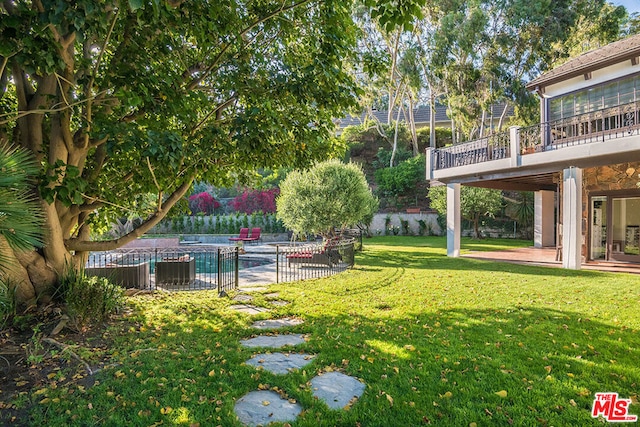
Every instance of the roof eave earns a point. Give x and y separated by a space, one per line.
542 82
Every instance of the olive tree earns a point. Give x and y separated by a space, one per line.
329 196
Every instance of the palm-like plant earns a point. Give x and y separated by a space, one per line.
521 209
20 215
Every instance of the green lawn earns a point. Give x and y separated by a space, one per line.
436 340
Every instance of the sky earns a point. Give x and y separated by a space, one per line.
631 5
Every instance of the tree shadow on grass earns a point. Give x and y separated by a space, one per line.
183 361
448 366
430 260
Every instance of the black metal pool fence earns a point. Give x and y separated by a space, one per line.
205 267
308 261
168 268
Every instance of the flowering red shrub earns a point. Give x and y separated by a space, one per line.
203 202
251 201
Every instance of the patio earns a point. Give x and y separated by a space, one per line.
546 257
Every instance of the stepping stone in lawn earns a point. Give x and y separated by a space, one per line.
336 389
280 363
248 309
243 298
279 303
274 341
264 407
272 295
276 323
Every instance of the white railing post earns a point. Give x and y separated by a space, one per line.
514 141
429 163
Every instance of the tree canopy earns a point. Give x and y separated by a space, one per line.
331 195
128 98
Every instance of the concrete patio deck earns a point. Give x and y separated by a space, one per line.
546 257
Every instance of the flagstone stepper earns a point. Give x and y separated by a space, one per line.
336 389
280 363
248 309
276 323
273 341
264 407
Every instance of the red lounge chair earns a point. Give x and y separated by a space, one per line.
244 233
255 235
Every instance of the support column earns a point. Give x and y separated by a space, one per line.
429 163
572 218
514 145
543 221
453 220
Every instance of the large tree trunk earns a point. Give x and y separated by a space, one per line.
432 120
36 273
412 126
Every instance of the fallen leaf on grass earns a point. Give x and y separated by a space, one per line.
390 399
501 393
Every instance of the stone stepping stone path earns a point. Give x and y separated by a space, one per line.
264 407
274 341
276 323
336 389
243 298
272 295
248 309
279 303
280 363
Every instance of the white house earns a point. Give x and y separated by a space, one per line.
582 160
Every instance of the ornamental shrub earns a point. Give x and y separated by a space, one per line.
203 203
331 195
251 201
399 180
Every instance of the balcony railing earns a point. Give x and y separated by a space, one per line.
597 126
493 147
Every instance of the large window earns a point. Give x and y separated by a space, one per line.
595 98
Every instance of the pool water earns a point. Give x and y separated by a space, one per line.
206 263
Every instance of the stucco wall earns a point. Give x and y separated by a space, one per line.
430 218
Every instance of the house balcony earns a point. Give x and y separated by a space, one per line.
509 160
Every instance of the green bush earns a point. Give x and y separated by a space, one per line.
383 157
399 180
329 196
443 137
90 299
360 136
405 227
